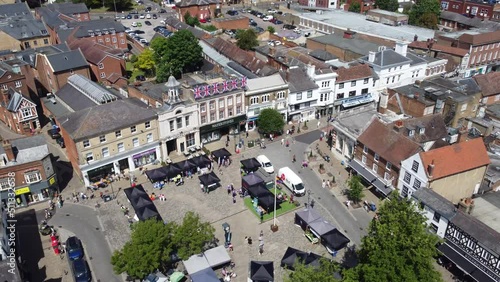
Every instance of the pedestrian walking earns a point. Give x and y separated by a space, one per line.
261 247
229 189
293 159
323 185
328 184
247 134
282 141
234 199
319 123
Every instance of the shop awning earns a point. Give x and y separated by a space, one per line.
382 187
361 170
457 257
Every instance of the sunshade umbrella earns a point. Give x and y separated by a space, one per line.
176 276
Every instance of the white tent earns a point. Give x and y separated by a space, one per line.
217 256
196 263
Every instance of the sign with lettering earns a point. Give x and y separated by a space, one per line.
219 87
23 190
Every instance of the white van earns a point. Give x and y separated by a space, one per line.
265 163
268 18
292 181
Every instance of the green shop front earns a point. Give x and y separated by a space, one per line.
214 132
33 193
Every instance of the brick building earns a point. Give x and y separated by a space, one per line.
202 9
471 8
235 22
490 87
77 11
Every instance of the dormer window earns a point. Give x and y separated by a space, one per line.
411 132
421 130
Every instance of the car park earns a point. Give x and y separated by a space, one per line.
74 248
80 270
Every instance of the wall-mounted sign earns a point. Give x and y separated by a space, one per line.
24 190
219 87
52 180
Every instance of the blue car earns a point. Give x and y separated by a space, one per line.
74 248
81 271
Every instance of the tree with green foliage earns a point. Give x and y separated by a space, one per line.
425 13
271 29
355 192
355 7
246 39
325 272
398 246
145 62
177 54
121 5
388 5
152 244
190 20
270 121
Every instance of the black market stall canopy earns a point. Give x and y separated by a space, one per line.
320 227
156 175
261 271
306 216
187 165
250 164
267 202
251 180
334 240
143 206
221 153
258 191
209 179
201 161
293 256
172 170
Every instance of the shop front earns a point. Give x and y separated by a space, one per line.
121 163
33 193
214 132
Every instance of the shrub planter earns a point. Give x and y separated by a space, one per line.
274 227
322 169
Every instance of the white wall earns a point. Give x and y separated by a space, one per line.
420 175
164 120
360 85
442 224
330 78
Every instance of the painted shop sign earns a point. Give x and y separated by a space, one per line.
219 87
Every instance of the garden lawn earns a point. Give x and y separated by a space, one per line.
285 207
135 72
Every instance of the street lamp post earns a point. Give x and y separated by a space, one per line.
275 191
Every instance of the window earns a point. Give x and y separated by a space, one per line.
341 85
221 114
101 66
32 176
376 157
89 157
238 110
238 99
122 41
107 39
149 137
436 217
353 83
172 126
120 147
26 113
416 184
102 138
254 100
190 140
186 120
5 87
387 176
221 103
414 166
114 39
309 94
365 149
229 101
352 93
299 96
135 142
203 108
147 124
18 84
393 79
103 75
407 177
5 183
203 119
444 5
363 159
366 80
229 112
434 228
45 41
364 91
375 168
133 129
212 105
411 132
86 143
105 152
340 96
463 108
179 122
325 84
265 98
404 192
212 116
281 95
388 165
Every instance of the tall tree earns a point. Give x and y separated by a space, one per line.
145 61
191 236
246 39
388 5
355 192
190 20
121 5
398 246
271 29
177 54
90 3
425 13
325 272
270 121
355 7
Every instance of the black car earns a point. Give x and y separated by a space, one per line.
74 248
129 17
81 271
140 78
139 31
60 141
155 16
232 12
277 22
158 28
54 133
147 23
148 9
136 17
162 11
289 26
253 23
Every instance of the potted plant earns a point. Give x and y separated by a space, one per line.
322 168
305 125
274 227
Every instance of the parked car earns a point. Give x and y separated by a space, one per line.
258 29
134 24
140 78
232 12
136 17
54 134
60 142
139 31
139 24
148 16
148 9
147 22
142 16
123 17
253 23
158 28
143 41
203 20
289 26
155 16
277 22
80 270
271 11
230 33
129 17
74 248
162 11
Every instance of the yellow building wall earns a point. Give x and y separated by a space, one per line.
7 42
39 42
460 185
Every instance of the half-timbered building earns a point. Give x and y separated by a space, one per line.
18 112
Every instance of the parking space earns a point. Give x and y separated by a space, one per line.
143 27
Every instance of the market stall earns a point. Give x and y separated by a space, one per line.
261 271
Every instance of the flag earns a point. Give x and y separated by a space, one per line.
225 86
215 90
197 92
207 90
243 81
234 83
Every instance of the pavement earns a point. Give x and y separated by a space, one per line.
8 134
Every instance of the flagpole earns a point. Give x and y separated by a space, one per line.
275 191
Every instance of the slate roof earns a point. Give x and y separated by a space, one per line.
322 55
68 8
102 25
455 51
456 158
299 81
95 121
15 100
187 3
434 125
451 16
67 60
29 56
17 21
92 51
355 45
353 73
387 143
178 25
27 149
415 59
485 235
387 58
413 91
435 201
488 83
73 98
299 56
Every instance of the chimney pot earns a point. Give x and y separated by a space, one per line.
430 169
371 56
9 152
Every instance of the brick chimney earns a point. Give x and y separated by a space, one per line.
349 33
430 169
398 125
9 152
462 134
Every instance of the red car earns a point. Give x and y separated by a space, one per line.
273 20
203 20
